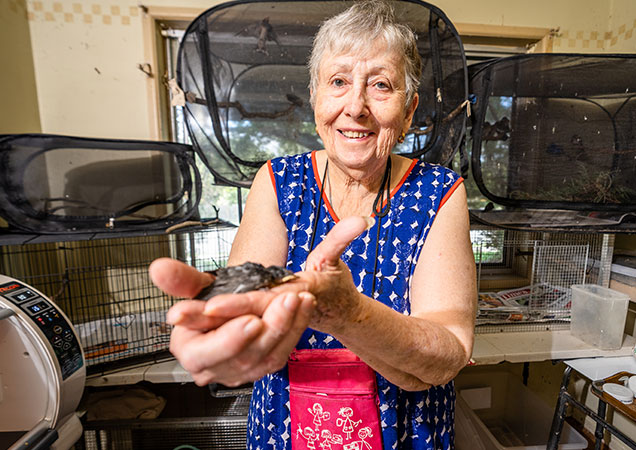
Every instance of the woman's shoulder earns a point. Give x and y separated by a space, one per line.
435 171
292 160
291 169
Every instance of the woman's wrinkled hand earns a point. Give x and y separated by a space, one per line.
326 277
236 338
329 279
232 349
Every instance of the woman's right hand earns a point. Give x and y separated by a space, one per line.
230 350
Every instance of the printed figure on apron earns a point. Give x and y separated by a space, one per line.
347 423
310 436
319 414
363 433
329 439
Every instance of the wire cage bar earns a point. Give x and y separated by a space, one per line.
524 277
102 285
190 418
205 433
553 268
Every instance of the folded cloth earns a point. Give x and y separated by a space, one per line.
124 403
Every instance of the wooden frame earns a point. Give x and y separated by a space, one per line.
154 51
538 39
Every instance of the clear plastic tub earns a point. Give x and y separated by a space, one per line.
598 315
514 417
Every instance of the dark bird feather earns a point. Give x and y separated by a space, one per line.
244 278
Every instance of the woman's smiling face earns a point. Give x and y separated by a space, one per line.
360 107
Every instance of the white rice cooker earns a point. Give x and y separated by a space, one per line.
42 371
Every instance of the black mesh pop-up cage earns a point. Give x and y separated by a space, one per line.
556 131
63 184
242 67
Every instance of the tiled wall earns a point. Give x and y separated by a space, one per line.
83 12
86 56
619 39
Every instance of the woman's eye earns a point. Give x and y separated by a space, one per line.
381 85
338 82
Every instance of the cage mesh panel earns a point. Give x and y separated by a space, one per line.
59 184
104 287
190 417
218 433
508 260
555 269
248 98
556 131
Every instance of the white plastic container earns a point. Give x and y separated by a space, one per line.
598 315
466 435
514 417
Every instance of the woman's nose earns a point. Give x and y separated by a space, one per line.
356 102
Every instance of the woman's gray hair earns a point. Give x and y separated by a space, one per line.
353 30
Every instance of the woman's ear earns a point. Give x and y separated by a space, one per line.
410 111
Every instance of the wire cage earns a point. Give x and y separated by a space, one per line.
205 433
524 278
190 419
102 285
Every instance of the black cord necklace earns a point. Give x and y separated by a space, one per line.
381 213
379 210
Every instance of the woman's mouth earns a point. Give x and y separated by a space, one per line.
354 134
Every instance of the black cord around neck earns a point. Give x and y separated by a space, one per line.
315 226
385 186
382 212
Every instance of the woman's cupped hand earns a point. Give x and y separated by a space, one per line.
236 338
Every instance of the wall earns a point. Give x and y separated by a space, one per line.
87 57
622 27
19 111
87 53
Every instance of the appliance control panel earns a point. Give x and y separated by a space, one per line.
58 330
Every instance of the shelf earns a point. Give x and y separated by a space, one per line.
169 371
11 238
536 346
488 349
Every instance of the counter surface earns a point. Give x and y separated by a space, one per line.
488 349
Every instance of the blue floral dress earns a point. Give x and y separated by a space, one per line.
410 420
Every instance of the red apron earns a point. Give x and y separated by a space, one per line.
333 401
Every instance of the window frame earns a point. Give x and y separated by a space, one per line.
154 58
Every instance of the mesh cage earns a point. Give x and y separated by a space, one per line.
556 131
60 184
242 66
101 283
216 433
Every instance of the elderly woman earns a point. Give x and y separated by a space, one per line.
380 244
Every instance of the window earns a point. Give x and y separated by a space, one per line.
481 42
226 202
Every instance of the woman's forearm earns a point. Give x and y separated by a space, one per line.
411 352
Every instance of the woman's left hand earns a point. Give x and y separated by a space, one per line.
329 279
